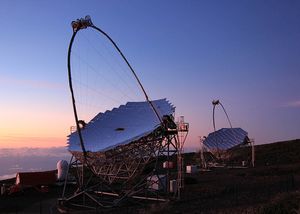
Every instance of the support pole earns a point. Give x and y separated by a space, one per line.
253 153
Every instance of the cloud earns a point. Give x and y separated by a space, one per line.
39 84
293 104
13 160
26 151
11 140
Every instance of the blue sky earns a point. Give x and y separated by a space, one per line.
245 53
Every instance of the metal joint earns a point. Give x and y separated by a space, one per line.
82 23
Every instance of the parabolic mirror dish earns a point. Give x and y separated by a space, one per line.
120 126
226 138
121 142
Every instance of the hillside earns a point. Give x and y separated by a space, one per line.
272 186
284 152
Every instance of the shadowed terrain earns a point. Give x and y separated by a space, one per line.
273 186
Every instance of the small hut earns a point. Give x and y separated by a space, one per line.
27 179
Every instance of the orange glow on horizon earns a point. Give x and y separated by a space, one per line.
34 128
30 141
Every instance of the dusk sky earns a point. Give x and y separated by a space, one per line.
245 53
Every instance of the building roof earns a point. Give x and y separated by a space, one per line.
226 138
36 178
120 126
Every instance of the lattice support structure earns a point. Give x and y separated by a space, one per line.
121 163
183 129
121 174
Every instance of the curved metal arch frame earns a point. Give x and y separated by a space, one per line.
82 24
217 102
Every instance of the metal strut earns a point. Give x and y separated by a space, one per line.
87 22
217 102
73 97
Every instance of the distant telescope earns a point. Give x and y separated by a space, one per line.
62 169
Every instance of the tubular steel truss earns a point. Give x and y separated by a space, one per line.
123 163
105 179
